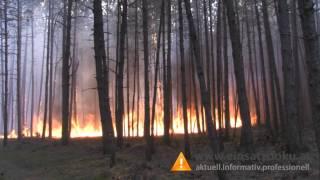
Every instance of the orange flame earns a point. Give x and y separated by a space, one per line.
90 126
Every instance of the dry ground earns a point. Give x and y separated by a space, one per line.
35 159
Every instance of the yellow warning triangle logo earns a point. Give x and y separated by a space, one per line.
181 164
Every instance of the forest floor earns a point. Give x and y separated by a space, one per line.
34 159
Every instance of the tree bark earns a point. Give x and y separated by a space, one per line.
219 67
290 88
66 74
207 46
226 75
251 71
311 42
168 88
246 132
193 78
136 68
6 53
18 91
45 113
295 51
146 79
183 84
275 84
211 131
212 64
32 76
103 83
74 69
263 70
153 111
51 86
119 76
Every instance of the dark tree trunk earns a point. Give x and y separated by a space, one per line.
193 78
66 74
251 71
295 51
6 53
311 42
74 69
275 84
146 80
226 75
32 76
51 88
45 113
219 67
136 68
290 88
103 83
18 91
183 85
211 131
23 77
246 132
119 76
263 70
168 88
128 84
207 46
212 64
156 75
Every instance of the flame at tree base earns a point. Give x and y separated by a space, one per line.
90 126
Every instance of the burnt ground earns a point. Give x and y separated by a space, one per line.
45 160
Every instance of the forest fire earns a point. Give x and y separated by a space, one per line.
141 89
90 126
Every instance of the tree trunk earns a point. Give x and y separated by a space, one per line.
251 71
219 67
6 53
183 84
290 88
146 80
311 42
246 132
193 78
47 71
212 64
207 47
66 74
226 75
23 78
2 64
264 78
74 69
295 51
168 88
18 91
119 76
211 131
51 88
103 83
42 69
275 84
156 74
32 77
128 84
136 72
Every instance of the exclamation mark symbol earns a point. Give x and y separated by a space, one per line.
181 163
